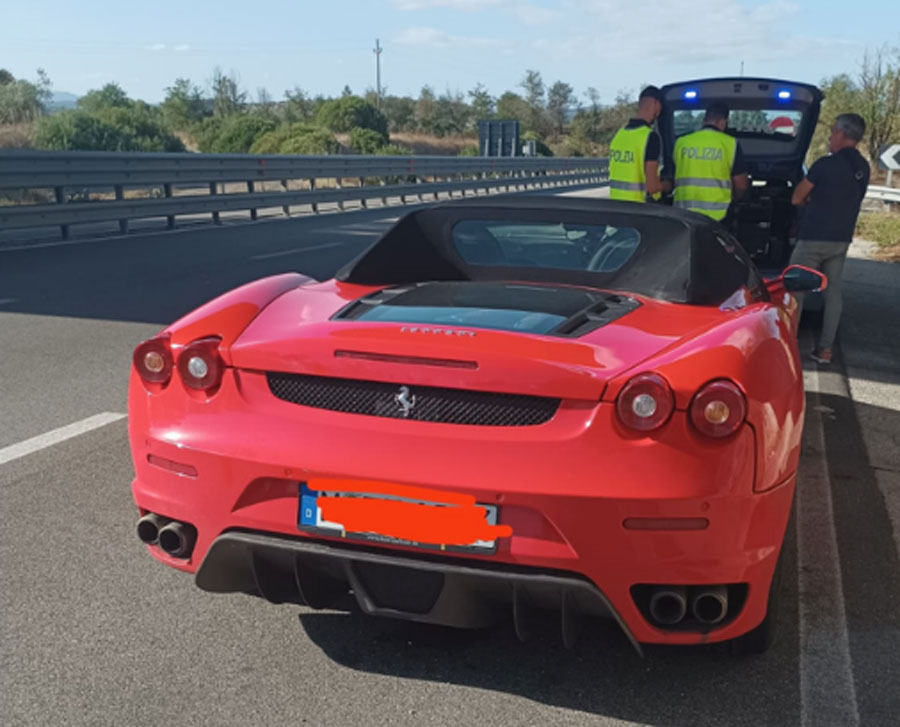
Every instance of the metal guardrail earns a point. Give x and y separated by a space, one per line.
883 194
387 177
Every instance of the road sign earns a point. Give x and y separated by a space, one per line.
889 156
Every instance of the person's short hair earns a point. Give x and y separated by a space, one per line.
717 110
651 92
853 126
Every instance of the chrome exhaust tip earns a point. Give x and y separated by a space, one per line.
148 528
710 605
668 605
177 539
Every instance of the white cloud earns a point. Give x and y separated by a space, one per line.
691 31
182 48
434 38
157 47
526 12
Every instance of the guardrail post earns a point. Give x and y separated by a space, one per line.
167 191
383 199
312 185
285 208
214 191
338 185
251 188
120 195
60 194
362 199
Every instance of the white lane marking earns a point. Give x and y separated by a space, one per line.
55 436
296 251
827 691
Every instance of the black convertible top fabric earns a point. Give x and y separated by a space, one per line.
683 257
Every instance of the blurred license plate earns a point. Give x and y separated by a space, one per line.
309 519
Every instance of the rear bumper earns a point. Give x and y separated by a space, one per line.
442 591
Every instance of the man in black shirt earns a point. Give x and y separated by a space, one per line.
635 152
830 198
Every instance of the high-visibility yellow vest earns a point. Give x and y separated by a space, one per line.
703 163
627 176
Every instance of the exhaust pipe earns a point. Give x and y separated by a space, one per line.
148 527
669 605
177 539
710 605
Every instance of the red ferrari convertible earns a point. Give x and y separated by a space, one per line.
499 410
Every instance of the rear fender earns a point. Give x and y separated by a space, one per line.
228 315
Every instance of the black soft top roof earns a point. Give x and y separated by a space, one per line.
683 257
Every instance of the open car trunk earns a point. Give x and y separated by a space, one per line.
774 122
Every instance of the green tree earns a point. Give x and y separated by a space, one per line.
21 101
298 106
228 97
351 112
451 114
535 93
425 109
878 100
512 107
400 112
482 103
110 96
317 141
6 77
560 100
183 105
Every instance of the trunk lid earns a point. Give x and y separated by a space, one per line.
542 340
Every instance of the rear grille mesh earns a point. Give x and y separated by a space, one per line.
426 403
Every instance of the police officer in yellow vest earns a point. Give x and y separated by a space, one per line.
634 154
710 170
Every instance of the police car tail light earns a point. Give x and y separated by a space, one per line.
153 360
718 409
645 403
200 365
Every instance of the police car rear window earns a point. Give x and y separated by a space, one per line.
772 123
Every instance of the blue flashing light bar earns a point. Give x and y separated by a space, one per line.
784 95
690 95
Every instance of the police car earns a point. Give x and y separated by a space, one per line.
773 121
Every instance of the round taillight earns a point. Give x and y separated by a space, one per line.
645 403
153 360
718 409
200 365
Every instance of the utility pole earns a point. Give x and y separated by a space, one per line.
377 52
742 69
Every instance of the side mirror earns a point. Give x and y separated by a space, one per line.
799 279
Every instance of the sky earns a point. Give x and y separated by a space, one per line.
322 46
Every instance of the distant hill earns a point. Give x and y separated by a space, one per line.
62 100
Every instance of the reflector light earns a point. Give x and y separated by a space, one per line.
784 95
672 523
718 409
197 367
691 94
172 466
645 403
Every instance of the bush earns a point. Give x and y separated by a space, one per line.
351 112
115 129
882 228
393 150
238 133
317 141
20 101
542 149
367 141
207 131
470 151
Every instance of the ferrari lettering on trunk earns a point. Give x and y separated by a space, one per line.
436 331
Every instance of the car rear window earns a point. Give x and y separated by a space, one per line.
775 123
563 246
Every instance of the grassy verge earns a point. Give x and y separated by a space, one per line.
882 228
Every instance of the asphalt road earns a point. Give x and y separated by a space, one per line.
95 632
